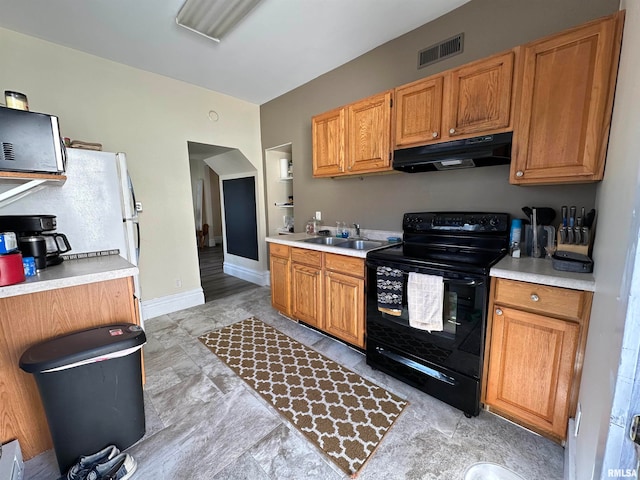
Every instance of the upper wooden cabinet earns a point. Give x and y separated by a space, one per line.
474 99
353 139
568 83
328 132
478 97
369 134
418 115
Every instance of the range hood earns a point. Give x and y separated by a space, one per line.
482 151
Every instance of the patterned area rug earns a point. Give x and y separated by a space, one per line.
343 414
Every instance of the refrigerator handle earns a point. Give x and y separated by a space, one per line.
137 243
133 196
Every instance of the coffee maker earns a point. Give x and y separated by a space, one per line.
37 237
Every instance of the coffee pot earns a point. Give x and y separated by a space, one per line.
37 237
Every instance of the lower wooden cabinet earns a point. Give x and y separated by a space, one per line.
306 286
344 299
323 290
535 344
279 265
33 318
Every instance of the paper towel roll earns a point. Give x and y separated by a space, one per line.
284 167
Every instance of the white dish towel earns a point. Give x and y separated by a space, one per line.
425 294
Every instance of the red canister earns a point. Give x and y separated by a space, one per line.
11 269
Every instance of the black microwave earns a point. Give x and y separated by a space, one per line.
30 142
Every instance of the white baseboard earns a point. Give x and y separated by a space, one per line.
254 276
570 452
171 303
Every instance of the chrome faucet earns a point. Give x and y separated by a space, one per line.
357 227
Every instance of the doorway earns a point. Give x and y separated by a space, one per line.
209 235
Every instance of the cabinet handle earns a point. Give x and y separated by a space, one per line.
498 311
434 134
535 297
519 173
452 130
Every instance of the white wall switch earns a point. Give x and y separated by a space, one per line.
318 215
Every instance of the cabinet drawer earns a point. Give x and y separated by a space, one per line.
555 301
342 263
308 257
279 250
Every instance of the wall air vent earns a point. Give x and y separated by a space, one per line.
447 48
6 153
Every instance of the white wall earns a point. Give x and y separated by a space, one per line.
614 251
149 117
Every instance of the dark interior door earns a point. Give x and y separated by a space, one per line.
240 217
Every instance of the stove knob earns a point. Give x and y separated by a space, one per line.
494 222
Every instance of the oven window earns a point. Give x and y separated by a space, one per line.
458 346
463 305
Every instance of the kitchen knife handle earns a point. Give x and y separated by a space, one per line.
564 215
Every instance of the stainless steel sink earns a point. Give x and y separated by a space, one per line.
361 244
325 240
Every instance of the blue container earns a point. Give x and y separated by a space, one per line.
8 242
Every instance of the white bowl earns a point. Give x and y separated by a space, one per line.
490 471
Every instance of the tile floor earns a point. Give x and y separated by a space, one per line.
203 422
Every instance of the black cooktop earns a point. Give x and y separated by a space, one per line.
468 242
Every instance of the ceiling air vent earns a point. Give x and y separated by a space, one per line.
447 48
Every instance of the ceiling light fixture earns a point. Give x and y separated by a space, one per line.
213 18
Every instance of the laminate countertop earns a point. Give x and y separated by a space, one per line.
71 273
298 240
540 271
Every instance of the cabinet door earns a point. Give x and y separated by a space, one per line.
280 284
418 114
369 134
344 309
328 133
565 105
478 98
530 368
307 294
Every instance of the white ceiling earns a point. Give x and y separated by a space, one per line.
280 45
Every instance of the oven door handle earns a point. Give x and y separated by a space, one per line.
417 366
472 283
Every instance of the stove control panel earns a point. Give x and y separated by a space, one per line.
456 222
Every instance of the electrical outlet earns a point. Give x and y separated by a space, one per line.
138 207
578 418
178 282
318 215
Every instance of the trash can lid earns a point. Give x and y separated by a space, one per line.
82 345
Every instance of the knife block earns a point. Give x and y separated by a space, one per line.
569 247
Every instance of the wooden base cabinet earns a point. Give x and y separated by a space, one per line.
306 286
280 268
345 300
536 340
323 290
37 317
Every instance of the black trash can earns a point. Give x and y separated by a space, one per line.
90 383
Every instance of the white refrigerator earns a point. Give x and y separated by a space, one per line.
95 207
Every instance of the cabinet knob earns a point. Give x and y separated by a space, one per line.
534 297
434 134
498 311
519 173
452 130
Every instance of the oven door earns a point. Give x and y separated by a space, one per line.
446 364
